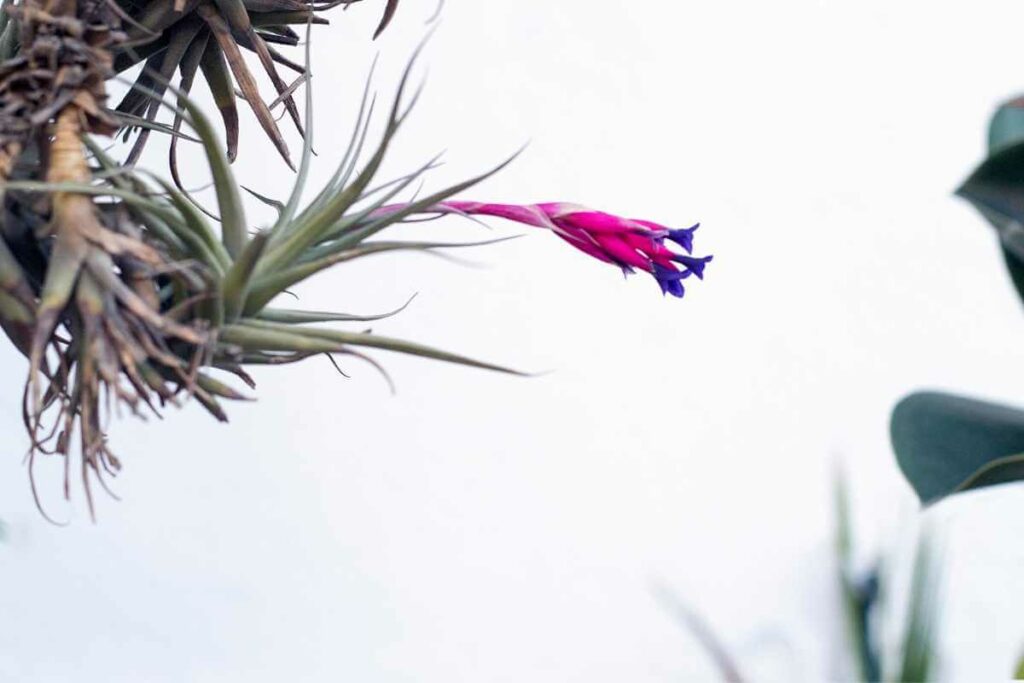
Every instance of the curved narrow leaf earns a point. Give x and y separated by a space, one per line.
918 649
189 66
389 13
946 443
237 17
858 594
246 83
260 334
709 640
260 19
239 277
180 39
218 78
292 317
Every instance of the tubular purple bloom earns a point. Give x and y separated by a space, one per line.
693 263
669 280
684 237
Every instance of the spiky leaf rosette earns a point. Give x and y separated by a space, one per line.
122 292
131 296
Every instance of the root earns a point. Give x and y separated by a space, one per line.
123 349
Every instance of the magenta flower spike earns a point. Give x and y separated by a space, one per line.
629 243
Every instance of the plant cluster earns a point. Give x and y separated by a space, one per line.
122 290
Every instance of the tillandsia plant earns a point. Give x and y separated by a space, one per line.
121 289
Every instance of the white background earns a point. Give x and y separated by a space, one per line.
478 527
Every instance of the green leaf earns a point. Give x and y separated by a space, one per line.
232 213
290 317
918 651
946 444
996 187
1018 671
263 199
256 334
239 276
1007 125
266 288
286 212
858 597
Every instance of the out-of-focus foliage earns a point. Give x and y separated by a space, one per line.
996 187
691 620
946 443
862 597
918 653
859 593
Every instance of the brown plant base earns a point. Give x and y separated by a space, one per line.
101 287
87 316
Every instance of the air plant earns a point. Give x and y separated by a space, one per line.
122 290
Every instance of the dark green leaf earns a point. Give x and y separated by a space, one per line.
1007 125
996 188
946 443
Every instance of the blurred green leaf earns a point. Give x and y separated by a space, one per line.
858 597
946 443
724 662
1018 671
919 637
1007 125
996 187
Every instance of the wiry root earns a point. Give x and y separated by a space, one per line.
124 351
117 360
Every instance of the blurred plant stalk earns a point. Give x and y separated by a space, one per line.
861 595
